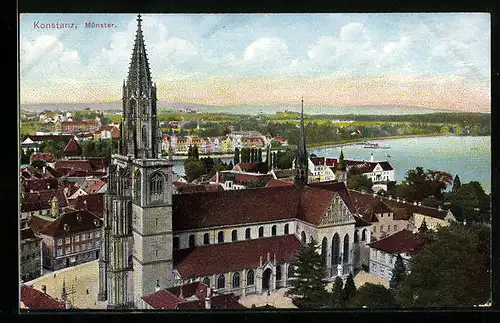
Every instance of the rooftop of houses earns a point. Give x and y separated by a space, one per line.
240 177
233 207
41 200
221 258
70 223
93 203
191 296
49 158
186 188
73 147
403 241
40 138
27 235
39 184
32 298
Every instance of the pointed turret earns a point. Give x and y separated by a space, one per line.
142 136
301 159
341 172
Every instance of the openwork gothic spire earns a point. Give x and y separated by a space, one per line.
301 158
139 75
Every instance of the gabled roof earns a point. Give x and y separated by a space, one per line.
39 138
92 189
369 206
330 162
224 257
162 299
278 183
385 165
49 158
38 184
41 200
284 173
27 234
248 167
403 241
230 207
93 203
241 178
73 222
35 299
73 147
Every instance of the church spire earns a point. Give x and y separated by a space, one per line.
301 158
139 75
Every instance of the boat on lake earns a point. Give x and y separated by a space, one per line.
375 146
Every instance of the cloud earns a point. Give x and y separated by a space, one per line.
265 49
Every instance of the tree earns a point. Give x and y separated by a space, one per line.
452 269
398 272
356 180
336 295
307 286
437 181
54 147
372 296
194 169
349 288
236 156
470 201
456 184
39 163
196 154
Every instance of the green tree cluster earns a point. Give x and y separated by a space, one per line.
54 147
101 148
356 180
451 270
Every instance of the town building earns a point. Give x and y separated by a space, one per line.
31 255
77 126
33 142
72 149
234 241
233 180
70 239
107 132
383 253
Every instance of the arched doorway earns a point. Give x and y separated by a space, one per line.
266 279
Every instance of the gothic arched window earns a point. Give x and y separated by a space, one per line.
290 271
221 281
286 229
236 280
247 233
363 235
156 184
220 237
144 136
303 237
273 230
261 232
250 278
206 239
335 249
137 185
234 235
192 241
346 249
278 272
324 245
356 236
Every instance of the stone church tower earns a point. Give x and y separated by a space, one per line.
301 158
136 253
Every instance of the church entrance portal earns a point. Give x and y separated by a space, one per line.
266 279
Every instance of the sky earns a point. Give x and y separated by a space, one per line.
431 60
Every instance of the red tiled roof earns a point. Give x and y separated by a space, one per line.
278 183
39 184
95 203
48 137
73 222
163 299
200 210
92 189
41 200
399 242
49 158
341 189
283 173
368 205
330 162
79 123
221 258
73 147
37 224
407 209
76 164
35 299
240 178
247 166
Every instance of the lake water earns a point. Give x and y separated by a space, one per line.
469 157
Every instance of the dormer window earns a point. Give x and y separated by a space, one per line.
66 227
96 223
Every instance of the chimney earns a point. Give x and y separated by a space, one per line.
371 157
208 299
419 203
48 186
